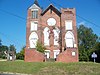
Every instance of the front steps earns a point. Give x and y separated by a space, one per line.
50 60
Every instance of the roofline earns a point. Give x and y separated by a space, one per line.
49 6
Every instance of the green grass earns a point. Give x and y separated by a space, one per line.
50 68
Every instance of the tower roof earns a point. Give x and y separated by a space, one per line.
36 2
34 5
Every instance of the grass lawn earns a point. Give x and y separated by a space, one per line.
50 68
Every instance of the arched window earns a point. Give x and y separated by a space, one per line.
46 36
69 39
56 36
33 38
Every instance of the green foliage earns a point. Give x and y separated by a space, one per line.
40 47
12 48
2 49
0 42
20 55
97 51
86 40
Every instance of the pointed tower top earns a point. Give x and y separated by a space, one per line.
36 2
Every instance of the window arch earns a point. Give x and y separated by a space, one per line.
69 39
33 38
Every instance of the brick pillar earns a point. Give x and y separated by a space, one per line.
51 42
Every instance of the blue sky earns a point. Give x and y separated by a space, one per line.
13 29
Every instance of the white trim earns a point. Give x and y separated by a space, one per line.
73 53
56 50
75 45
47 53
47 50
34 9
34 6
35 21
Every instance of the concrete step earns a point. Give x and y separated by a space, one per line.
50 60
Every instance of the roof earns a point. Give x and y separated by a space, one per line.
53 8
36 2
34 5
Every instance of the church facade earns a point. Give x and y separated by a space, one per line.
55 29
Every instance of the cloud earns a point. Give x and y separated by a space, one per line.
81 23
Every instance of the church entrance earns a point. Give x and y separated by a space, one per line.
47 54
56 52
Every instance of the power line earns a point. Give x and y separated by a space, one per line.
55 3
12 14
77 15
52 3
87 20
6 36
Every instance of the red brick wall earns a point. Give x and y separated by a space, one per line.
68 16
28 26
66 56
44 24
33 56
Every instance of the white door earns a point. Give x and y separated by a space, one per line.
56 52
47 53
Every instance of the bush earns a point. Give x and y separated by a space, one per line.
20 56
40 47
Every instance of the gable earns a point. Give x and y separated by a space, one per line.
53 9
34 6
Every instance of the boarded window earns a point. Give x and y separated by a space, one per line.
69 39
34 26
33 39
68 25
46 36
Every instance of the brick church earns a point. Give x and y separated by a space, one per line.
55 29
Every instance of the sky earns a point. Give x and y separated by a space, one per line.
13 14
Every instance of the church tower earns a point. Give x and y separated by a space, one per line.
55 29
33 34
69 36
33 19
